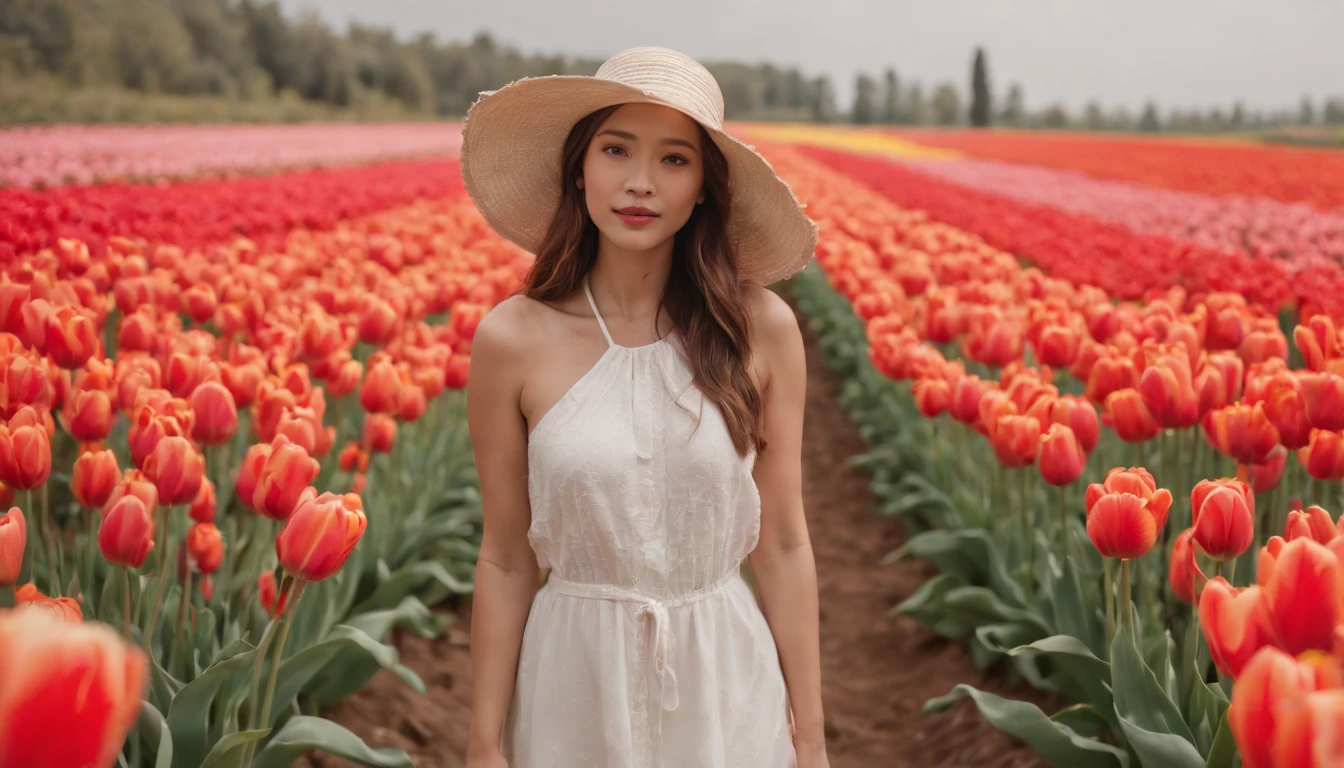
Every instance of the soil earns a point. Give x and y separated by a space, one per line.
877 670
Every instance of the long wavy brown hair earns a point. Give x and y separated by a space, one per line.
704 296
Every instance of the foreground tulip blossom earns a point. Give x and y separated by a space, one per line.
1182 571
1223 512
1302 596
13 539
1124 526
281 480
1268 682
94 477
1062 460
320 535
126 534
69 694
1231 621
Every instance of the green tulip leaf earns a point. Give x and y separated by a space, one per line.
154 730
927 605
1083 719
1056 743
1151 721
1081 675
406 581
1223 753
303 734
189 717
228 751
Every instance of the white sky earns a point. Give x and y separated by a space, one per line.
1180 53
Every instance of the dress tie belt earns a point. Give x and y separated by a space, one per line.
652 610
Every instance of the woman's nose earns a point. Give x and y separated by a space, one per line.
640 181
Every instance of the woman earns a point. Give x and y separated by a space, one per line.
650 392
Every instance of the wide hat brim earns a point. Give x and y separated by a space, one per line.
512 167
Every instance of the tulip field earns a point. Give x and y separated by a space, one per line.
1099 380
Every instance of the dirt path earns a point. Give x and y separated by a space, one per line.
877 671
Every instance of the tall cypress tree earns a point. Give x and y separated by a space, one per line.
980 97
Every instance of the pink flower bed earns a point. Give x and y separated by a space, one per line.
1295 232
47 156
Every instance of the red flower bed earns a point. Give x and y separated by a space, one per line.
1314 176
199 213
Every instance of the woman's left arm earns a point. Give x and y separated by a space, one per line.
782 562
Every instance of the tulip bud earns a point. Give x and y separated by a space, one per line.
207 589
456 370
1270 678
71 337
25 457
378 321
94 477
287 472
380 431
13 540
964 405
1303 597
126 534
1265 477
133 483
1242 432
1169 393
1129 417
352 458
1323 458
412 404
1223 512
319 537
345 379
1323 394
1287 411
250 471
1062 459
1123 525
87 415
1058 346
1308 731
1016 440
70 693
177 469
381 391
932 396
206 547
216 415
1311 523
266 595
1182 571
1230 619
202 508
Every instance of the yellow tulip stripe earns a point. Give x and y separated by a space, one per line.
870 142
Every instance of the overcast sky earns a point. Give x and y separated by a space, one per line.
1203 53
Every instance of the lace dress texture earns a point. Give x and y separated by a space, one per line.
645 648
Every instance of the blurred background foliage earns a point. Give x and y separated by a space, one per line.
243 60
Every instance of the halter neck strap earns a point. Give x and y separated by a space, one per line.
600 322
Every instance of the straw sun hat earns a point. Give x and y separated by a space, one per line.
513 139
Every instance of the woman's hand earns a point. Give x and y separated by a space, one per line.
809 752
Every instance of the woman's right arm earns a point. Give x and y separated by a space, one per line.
506 570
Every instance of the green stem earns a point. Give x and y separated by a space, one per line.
291 609
1026 522
151 629
260 658
53 565
177 658
126 603
1108 567
7 597
1063 521
1138 454
1126 601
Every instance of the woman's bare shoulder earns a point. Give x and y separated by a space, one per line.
773 321
507 334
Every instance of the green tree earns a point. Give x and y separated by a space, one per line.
1150 121
1306 113
946 104
823 100
891 103
1334 111
981 106
1012 108
864 111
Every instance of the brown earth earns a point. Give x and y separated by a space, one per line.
877 670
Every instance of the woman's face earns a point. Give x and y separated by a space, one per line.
643 175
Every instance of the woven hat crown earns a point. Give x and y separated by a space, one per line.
670 76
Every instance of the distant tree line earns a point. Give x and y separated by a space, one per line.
249 50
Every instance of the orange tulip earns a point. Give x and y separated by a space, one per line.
126 534
1323 394
71 336
1309 728
381 391
216 414
1058 346
200 302
1287 410
1129 417
1183 572
964 405
1123 525
1318 342
319 336
205 544
280 483
1311 523
1111 373
1168 391
1016 440
1266 477
1061 459
345 379
1268 680
378 321
932 396
133 483
25 457
319 537
456 371
1302 596
1080 416
87 415
1242 432
94 477
250 471
996 344
1223 512
176 468
27 384
352 458
202 508
242 381
1232 624
266 595
13 540
186 372
1323 458
380 431
68 694
1135 480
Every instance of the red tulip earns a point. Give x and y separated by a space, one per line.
965 401
1080 416
216 414
87 415
1058 346
25 457
319 537
1312 523
1232 624
1129 417
378 321
1061 459
1183 572
456 371
1168 391
1224 513
126 534
1308 731
1323 394
1287 411
202 508
1111 373
250 471
206 547
1265 477
280 484
133 483
94 477
71 336
1302 596
932 396
1123 525
200 302
1016 440
345 379
1135 480
1242 432
69 694
1269 679
381 391
1323 458
242 381
352 458
380 431
13 540
266 595
176 468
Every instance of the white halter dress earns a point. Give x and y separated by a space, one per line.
645 648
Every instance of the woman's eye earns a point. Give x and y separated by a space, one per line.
609 150
678 158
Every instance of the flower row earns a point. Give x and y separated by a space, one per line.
51 156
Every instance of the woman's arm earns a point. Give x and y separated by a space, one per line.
782 562
506 570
